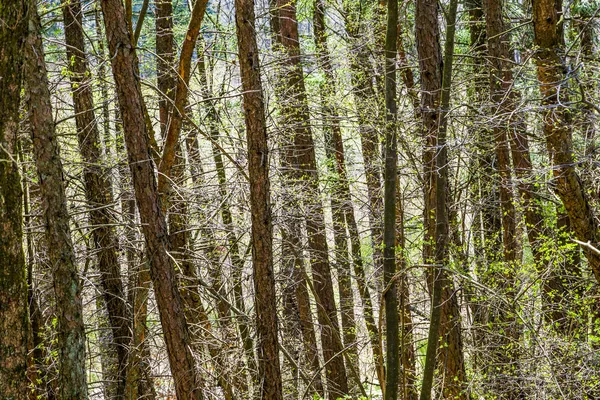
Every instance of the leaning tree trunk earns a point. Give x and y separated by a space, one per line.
67 286
98 189
170 306
14 319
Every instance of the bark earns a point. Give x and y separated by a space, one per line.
445 312
341 202
98 189
557 128
389 201
301 155
66 282
291 234
364 94
184 71
165 61
125 70
14 318
430 64
262 229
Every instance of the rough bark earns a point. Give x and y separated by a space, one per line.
301 155
176 116
98 189
262 229
125 70
165 61
341 202
557 129
445 313
14 318
66 282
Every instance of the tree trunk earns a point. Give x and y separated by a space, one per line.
262 229
165 61
176 116
67 287
445 312
341 202
125 70
392 350
97 188
557 130
14 318
364 95
294 109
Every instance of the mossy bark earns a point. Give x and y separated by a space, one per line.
14 315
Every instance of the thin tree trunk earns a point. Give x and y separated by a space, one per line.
97 188
341 203
176 116
165 61
67 286
364 94
506 345
291 234
14 318
408 370
226 215
125 70
392 350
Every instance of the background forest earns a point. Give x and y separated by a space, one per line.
299 199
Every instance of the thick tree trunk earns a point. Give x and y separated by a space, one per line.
14 318
125 70
557 129
262 229
445 314
97 188
67 286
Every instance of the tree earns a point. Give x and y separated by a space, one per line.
66 282
97 187
131 102
14 312
262 230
